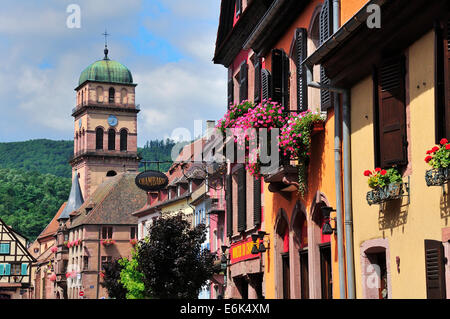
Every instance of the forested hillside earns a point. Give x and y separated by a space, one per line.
35 179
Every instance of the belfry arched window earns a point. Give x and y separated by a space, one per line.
99 138
112 92
123 139
111 139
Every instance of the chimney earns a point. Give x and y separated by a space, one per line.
210 126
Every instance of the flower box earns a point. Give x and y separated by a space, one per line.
437 176
383 194
108 242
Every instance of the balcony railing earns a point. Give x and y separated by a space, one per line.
107 105
104 153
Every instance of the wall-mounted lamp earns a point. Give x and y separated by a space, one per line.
327 229
260 235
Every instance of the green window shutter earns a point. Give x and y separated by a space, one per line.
2 269
7 269
24 269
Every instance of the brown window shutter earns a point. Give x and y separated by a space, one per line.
300 55
243 82
392 113
257 93
242 199
229 204
435 269
266 80
257 201
325 31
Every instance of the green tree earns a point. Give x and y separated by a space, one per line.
172 261
132 279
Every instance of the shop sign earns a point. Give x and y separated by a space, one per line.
243 250
151 181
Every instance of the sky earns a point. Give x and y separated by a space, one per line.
168 45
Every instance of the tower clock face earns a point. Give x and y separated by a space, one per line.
112 120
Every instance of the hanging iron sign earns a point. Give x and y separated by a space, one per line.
151 181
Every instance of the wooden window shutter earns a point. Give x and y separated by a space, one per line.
300 55
257 86
230 92
242 199
392 113
229 203
243 82
266 80
325 31
435 269
280 77
442 79
257 201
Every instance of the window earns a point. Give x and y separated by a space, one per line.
110 174
99 92
133 231
243 82
257 201
111 139
442 70
123 139
106 260
280 77
230 90
5 248
85 262
98 138
112 92
178 190
390 113
242 199
107 232
228 200
16 269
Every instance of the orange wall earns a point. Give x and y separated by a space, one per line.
349 8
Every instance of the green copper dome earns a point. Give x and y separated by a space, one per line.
106 71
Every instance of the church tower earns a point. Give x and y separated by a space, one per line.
105 124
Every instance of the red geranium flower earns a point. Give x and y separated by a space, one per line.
429 152
444 141
377 169
428 158
383 172
447 147
367 173
435 149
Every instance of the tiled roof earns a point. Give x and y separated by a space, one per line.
112 202
52 227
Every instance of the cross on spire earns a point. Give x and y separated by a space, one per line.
106 34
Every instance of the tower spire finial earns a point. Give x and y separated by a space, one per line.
106 34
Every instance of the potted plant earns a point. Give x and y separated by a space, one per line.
54 249
439 159
133 241
295 141
386 185
66 243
